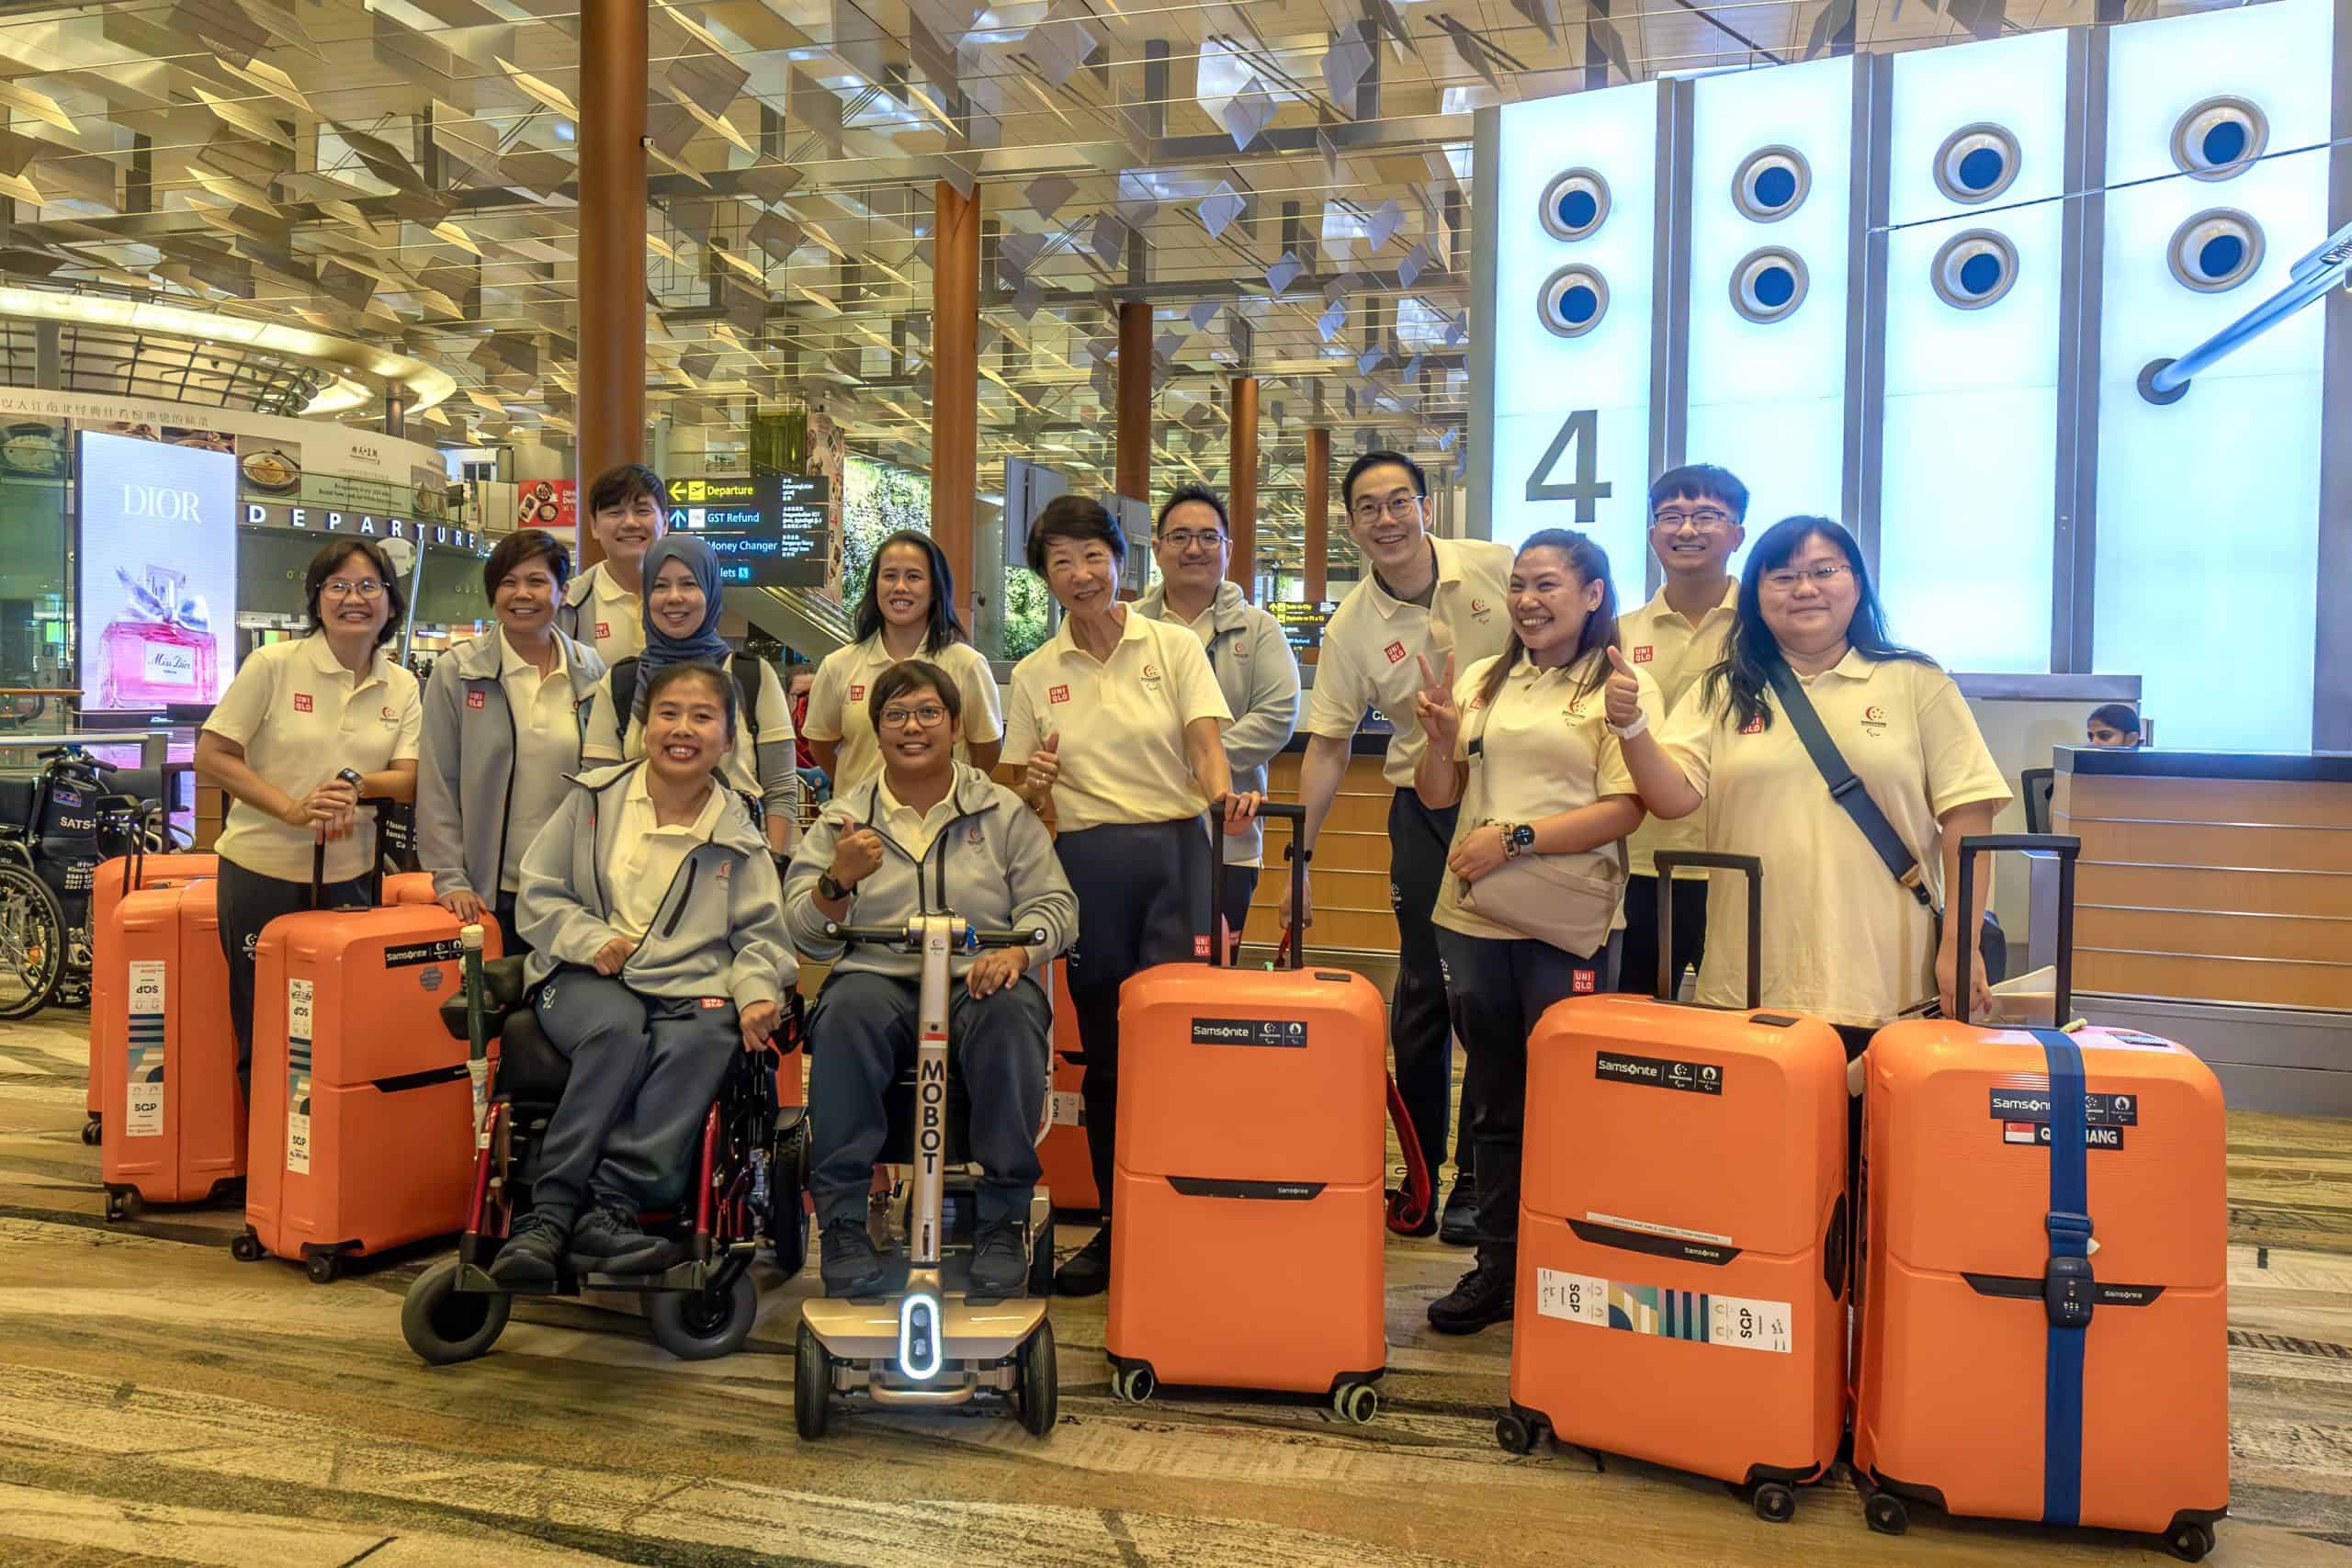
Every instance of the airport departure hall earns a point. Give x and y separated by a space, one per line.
1195 787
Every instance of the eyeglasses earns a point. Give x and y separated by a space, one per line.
1398 506
1706 520
928 716
345 588
1206 540
1821 575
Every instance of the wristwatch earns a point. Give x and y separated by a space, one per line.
1518 839
353 777
830 891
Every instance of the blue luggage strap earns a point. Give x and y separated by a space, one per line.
2067 1287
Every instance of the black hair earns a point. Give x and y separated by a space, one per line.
1184 495
1742 681
910 674
333 553
613 490
1373 460
1080 517
1700 481
945 627
1590 563
2119 717
669 675
518 550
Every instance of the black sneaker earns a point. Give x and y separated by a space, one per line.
1483 1297
1000 1262
1088 1273
1460 1226
609 1241
850 1265
530 1253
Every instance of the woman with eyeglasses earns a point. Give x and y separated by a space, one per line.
907 612
308 730
1843 939
927 832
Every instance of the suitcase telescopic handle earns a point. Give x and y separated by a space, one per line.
1751 868
383 805
2068 850
1267 810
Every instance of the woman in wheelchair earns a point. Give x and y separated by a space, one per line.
930 834
652 910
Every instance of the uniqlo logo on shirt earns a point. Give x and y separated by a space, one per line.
1754 726
1200 947
1583 983
474 699
712 1004
1395 651
857 693
603 631
301 701
1059 695
1645 654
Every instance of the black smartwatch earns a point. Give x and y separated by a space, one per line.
353 777
829 889
1518 839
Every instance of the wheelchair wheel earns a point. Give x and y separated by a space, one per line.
32 943
787 1215
1038 1393
701 1325
445 1325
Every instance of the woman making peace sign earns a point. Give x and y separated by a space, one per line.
1527 912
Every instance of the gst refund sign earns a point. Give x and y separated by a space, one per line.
368 525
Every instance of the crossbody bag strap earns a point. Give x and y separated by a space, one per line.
1845 787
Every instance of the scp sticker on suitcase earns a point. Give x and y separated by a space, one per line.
1733 1321
298 1076
143 1098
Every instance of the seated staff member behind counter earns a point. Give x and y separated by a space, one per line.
909 612
1521 744
628 508
682 606
1114 722
1254 666
1697 522
927 833
1842 940
656 926
503 720
1422 596
306 731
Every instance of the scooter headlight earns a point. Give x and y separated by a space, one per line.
919 1351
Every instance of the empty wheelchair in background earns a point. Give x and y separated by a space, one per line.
56 824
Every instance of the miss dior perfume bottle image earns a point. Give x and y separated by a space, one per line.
160 650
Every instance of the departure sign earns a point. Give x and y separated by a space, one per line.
1302 620
767 531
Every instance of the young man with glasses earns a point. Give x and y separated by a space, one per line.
1697 522
1421 595
1251 659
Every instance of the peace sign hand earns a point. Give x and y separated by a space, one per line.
1433 704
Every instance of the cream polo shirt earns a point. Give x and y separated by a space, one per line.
1368 647
613 620
913 831
1842 940
643 858
302 719
1121 722
547 747
837 704
740 771
1674 653
1543 749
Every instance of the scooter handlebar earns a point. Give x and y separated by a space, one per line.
899 936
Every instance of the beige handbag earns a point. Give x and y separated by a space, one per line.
1558 899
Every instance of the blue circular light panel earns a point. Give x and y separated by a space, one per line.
1972 270
2215 250
1575 204
1978 162
1768 285
2220 138
1572 301
1771 182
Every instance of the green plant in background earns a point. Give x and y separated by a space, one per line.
1025 628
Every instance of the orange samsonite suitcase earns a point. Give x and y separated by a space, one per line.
1069 1166
109 883
2044 1305
1246 1251
175 1127
363 1117
1683 1232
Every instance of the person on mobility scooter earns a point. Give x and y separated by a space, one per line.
930 836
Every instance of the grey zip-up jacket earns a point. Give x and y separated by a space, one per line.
465 771
994 864
719 932
1259 675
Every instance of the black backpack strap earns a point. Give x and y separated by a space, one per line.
1845 788
623 677
746 669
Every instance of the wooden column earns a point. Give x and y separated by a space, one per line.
1132 440
1319 516
955 380
613 93
1241 487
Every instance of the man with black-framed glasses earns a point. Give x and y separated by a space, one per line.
1251 658
1697 521
1420 595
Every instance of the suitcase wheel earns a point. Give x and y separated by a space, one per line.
94 1131
121 1204
324 1267
2190 1542
1518 1435
245 1248
1356 1402
1886 1513
1775 1504
1133 1384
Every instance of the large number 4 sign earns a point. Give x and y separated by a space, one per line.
1581 430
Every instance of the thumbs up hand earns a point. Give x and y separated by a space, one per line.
1433 705
1044 764
1623 693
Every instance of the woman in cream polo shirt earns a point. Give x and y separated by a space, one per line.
1842 938
1116 721
307 731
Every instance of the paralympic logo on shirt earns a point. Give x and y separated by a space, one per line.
1874 720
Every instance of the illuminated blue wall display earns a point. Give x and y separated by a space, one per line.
1906 292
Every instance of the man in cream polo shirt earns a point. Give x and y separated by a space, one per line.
1421 595
1697 516
628 507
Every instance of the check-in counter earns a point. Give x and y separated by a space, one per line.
2214 906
